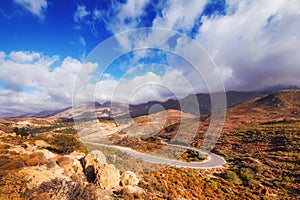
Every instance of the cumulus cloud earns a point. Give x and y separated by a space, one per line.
22 57
41 84
175 15
259 46
158 83
36 7
255 44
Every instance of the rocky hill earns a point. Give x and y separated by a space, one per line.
202 105
283 105
261 143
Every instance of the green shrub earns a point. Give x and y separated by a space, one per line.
245 175
21 131
64 144
231 177
286 179
67 131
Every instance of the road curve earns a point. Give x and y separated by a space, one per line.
213 160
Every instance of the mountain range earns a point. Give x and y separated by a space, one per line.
192 104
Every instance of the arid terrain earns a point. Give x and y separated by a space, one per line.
45 158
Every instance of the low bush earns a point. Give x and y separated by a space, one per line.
23 132
64 144
246 175
231 176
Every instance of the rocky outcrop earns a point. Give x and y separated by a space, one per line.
40 174
99 156
94 158
91 168
107 176
48 175
134 189
99 172
32 168
72 167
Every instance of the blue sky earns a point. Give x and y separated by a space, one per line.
43 44
55 29
52 30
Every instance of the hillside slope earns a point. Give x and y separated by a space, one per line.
283 105
261 140
261 144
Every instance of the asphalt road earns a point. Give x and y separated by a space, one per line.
213 160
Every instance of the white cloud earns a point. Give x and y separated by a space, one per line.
80 18
81 13
124 16
180 15
36 84
21 57
176 15
255 44
23 102
2 55
259 42
132 9
36 7
134 89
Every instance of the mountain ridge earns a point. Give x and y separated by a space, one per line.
115 109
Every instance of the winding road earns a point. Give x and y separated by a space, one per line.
213 160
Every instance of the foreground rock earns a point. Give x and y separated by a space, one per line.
99 156
107 176
129 178
99 172
72 167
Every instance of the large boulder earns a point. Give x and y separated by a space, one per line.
94 158
72 167
107 176
98 171
100 157
65 162
129 178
